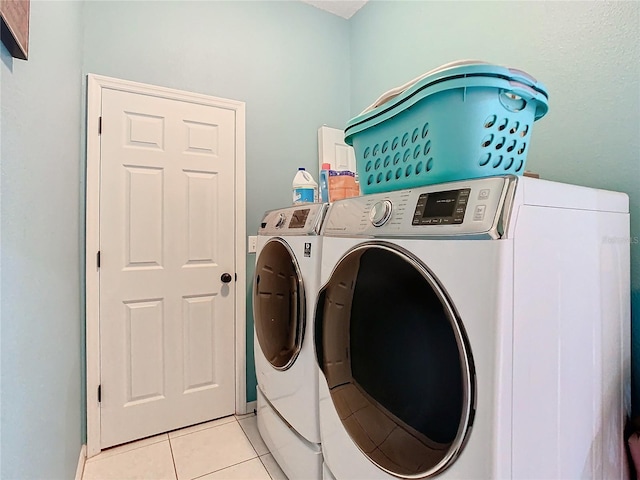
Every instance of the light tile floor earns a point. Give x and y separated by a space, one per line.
229 448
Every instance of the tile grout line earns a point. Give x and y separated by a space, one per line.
94 459
220 469
265 466
173 458
258 455
248 439
200 430
168 438
228 466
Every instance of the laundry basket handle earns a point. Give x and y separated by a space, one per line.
520 73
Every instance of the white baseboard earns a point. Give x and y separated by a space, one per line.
81 460
251 406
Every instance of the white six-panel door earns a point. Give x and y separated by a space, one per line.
166 238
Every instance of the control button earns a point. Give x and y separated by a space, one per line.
484 194
282 218
478 215
380 213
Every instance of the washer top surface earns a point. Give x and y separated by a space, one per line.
479 208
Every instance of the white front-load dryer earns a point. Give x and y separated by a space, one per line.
285 286
475 330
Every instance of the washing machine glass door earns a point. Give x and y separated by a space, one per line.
396 360
278 304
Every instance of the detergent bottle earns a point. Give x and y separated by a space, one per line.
305 188
324 183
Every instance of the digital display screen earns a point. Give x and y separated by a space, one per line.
299 218
440 204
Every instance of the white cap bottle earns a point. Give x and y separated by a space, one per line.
305 188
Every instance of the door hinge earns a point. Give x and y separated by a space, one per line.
98 258
236 277
99 393
99 125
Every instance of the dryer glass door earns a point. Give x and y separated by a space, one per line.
396 361
278 304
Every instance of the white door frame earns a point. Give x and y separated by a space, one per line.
95 85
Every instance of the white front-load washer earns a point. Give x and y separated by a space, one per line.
286 282
475 330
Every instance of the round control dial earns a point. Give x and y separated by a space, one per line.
380 212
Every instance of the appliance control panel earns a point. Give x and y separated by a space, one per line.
442 207
304 219
469 207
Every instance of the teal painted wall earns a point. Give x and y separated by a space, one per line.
586 53
0 271
41 196
296 68
287 60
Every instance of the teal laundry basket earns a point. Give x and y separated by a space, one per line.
463 120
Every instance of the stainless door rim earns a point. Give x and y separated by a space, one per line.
468 369
301 307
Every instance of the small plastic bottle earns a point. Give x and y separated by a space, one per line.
324 182
305 188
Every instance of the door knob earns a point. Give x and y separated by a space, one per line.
225 278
